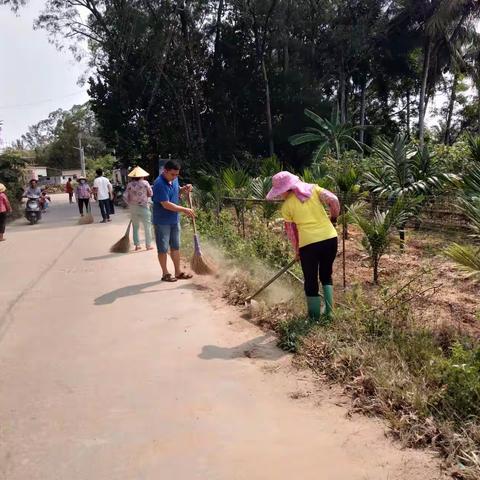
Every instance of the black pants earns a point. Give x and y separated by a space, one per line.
70 197
81 202
317 261
3 221
104 208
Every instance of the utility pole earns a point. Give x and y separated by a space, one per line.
82 154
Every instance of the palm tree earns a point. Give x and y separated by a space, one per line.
347 185
328 135
442 25
237 184
405 171
260 186
468 256
474 148
377 229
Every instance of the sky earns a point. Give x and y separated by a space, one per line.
35 78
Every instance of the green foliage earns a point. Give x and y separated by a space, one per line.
328 135
236 182
11 175
474 148
404 170
292 331
56 139
467 257
318 173
270 166
378 228
104 162
459 377
260 186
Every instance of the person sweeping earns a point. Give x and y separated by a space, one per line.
5 209
137 196
166 219
312 234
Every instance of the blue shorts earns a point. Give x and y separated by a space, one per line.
167 236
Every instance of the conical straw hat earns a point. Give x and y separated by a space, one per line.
138 172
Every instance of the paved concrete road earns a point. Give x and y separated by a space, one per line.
108 374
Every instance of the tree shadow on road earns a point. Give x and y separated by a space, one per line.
263 347
128 291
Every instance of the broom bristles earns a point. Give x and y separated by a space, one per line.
122 246
201 265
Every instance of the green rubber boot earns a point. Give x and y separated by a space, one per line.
328 297
313 304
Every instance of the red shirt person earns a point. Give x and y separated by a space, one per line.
69 190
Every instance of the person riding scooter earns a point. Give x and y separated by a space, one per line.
33 207
33 190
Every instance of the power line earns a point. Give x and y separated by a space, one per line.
4 107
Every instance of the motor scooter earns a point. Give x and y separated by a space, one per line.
33 210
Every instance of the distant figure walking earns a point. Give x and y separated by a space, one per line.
83 192
5 208
102 191
69 190
137 195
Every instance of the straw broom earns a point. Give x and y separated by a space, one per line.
88 218
199 263
123 245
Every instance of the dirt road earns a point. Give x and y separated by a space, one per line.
108 374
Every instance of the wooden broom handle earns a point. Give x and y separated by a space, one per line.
189 198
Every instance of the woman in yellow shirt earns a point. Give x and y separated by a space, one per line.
312 234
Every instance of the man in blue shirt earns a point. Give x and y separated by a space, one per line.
166 218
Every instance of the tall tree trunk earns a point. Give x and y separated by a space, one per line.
286 57
363 110
344 238
342 91
451 105
268 110
184 17
478 100
423 93
408 114
218 34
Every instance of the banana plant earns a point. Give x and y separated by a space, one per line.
377 229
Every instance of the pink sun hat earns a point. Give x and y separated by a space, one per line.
283 182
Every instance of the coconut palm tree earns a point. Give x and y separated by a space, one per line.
405 171
378 228
468 256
